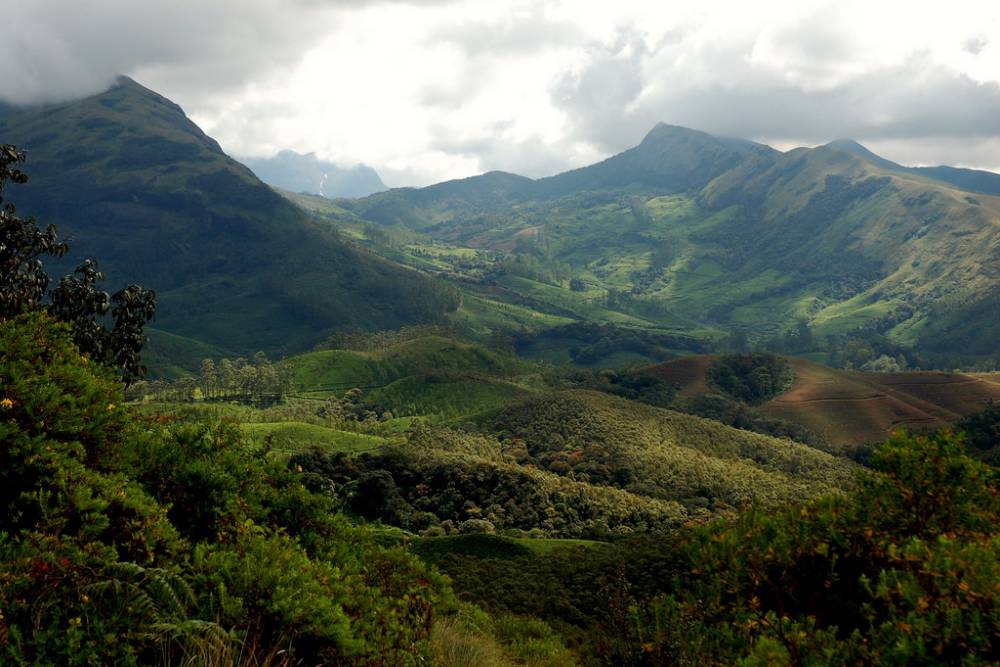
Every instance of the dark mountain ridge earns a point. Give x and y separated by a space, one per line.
138 186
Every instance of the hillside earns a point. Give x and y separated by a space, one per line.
143 190
850 408
663 454
689 232
570 464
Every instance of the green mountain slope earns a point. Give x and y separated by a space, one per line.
663 454
142 189
690 232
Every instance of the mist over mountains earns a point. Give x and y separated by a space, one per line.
306 173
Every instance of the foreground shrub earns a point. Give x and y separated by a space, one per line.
905 571
131 542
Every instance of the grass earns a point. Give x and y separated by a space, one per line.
338 370
544 545
480 316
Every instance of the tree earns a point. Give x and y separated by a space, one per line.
22 244
76 300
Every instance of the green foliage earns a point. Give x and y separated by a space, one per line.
471 638
446 395
441 480
982 433
589 343
255 382
904 571
25 281
662 454
75 299
754 378
341 370
738 414
129 542
631 385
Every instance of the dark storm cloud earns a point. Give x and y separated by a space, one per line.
54 50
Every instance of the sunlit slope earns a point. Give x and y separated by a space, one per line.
663 454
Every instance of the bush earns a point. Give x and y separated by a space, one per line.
754 378
133 542
905 571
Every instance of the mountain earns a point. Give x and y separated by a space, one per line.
307 173
692 232
972 180
138 186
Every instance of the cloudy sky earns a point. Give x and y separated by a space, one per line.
428 90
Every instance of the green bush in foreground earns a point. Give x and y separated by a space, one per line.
906 571
126 542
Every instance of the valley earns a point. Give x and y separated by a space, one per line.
703 402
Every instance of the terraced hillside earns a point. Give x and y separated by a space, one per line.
849 408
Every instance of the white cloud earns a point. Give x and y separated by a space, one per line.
425 91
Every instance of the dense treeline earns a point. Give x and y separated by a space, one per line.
589 342
753 378
982 433
256 381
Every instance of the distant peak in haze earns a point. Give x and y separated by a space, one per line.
300 172
666 130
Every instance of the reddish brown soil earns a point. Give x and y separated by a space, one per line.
850 408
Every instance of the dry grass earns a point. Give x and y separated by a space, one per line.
455 642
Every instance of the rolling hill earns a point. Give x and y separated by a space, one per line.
850 408
140 188
663 454
691 232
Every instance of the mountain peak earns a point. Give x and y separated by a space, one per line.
854 148
662 131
